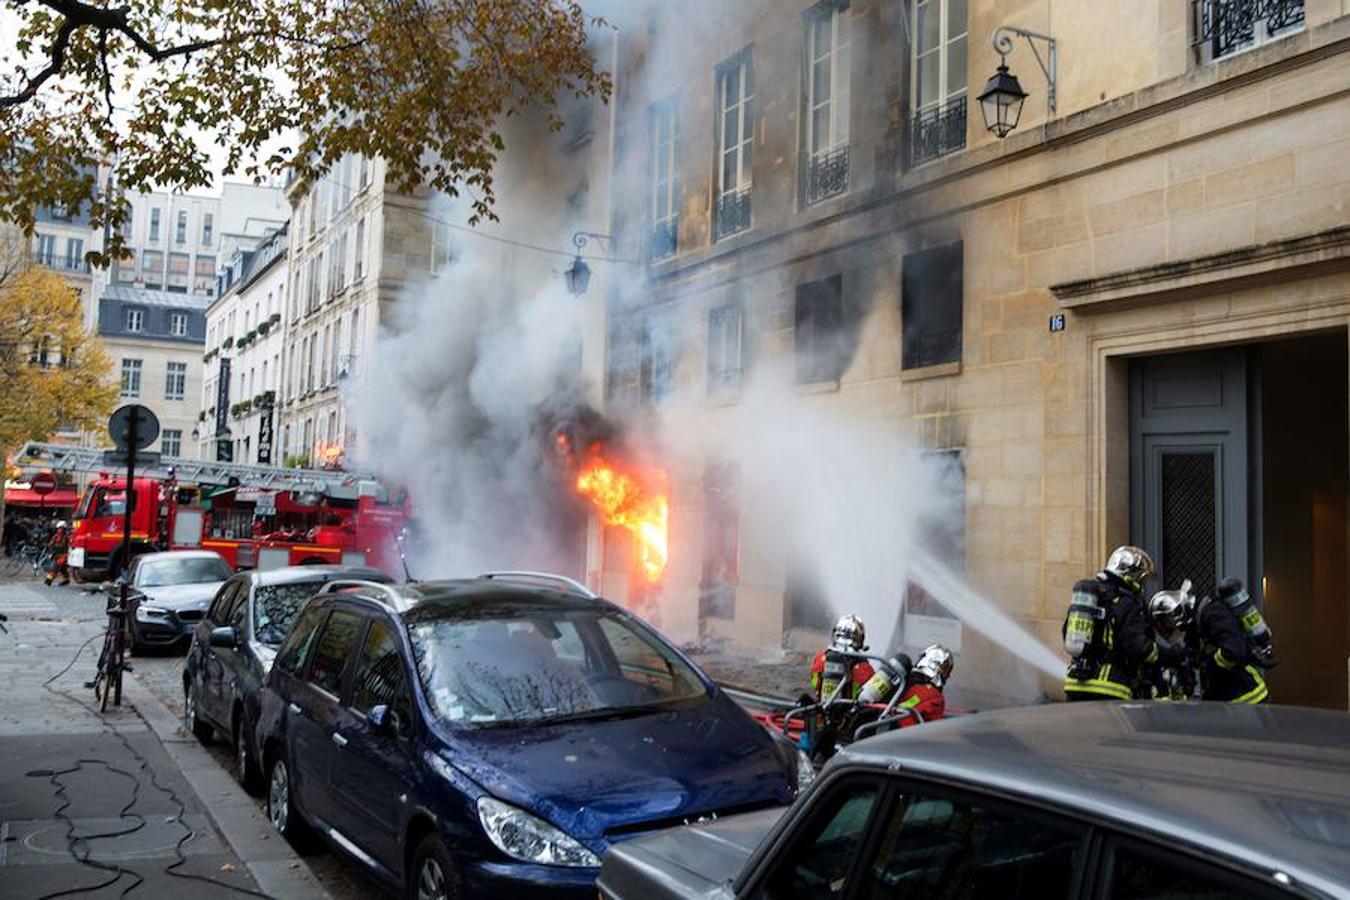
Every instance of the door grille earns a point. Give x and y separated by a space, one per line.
1189 521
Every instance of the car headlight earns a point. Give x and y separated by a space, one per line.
521 836
806 773
151 613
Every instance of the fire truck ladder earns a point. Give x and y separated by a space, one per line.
342 485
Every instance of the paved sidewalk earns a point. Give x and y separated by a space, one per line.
129 791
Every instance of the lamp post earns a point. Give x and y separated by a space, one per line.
1002 98
578 275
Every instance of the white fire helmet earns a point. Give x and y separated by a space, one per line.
60 523
935 665
1171 611
848 633
1131 565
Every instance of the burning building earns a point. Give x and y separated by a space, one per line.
881 361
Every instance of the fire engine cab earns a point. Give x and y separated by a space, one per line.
254 516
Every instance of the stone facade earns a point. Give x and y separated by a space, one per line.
1173 202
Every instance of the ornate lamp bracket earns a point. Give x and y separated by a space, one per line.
1003 46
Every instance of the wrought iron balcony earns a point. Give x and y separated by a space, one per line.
1226 26
827 175
663 239
938 131
733 212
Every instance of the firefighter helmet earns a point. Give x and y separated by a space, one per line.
60 523
848 634
1131 565
1171 611
935 665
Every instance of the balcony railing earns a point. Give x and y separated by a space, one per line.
60 261
664 239
733 212
1226 26
937 131
827 175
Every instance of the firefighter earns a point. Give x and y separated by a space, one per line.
59 545
833 664
1107 633
923 694
1173 614
1230 666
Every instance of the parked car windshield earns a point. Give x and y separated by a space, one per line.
275 607
185 570
540 664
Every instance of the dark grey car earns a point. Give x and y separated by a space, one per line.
1094 800
234 644
167 594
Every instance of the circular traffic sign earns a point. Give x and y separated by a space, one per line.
42 484
147 426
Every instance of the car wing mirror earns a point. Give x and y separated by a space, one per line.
384 719
224 636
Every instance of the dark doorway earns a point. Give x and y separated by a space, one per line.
1304 463
1238 467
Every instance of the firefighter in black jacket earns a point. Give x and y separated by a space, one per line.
1107 631
1230 666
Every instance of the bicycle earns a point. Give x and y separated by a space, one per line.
112 660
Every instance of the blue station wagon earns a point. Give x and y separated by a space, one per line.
493 737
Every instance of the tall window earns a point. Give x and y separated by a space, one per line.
827 99
171 442
735 138
74 253
938 79
135 320
46 250
1224 27
180 232
179 272
930 307
154 223
655 361
359 251
323 357
819 335
333 351
365 171
175 380
208 229
440 247
152 269
665 188
339 275
724 350
721 542
131 378
178 324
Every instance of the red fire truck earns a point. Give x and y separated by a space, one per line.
254 516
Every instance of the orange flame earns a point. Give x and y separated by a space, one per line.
621 499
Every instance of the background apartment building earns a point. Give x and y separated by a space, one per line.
1127 321
177 241
354 243
243 355
155 340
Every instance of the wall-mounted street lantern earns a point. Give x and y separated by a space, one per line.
1002 98
578 274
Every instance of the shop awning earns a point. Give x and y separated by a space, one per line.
25 497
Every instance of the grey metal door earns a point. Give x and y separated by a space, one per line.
1189 473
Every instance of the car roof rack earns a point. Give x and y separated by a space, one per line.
386 591
572 585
